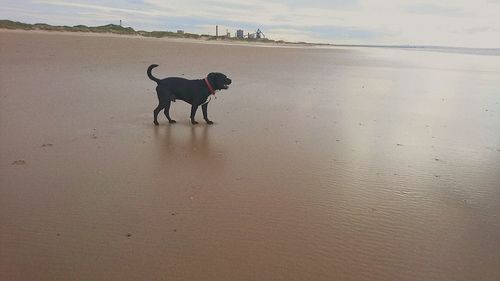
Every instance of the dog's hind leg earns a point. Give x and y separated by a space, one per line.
155 113
164 99
193 113
167 112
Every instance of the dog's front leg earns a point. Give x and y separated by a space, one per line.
193 113
204 109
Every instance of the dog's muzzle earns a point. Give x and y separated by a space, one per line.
227 81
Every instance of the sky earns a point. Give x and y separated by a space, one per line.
455 23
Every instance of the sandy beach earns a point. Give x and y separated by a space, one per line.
323 163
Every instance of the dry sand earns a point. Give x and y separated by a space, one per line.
323 163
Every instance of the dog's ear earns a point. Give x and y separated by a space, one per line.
212 78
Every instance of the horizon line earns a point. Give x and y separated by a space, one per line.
396 45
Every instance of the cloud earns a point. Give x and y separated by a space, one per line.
420 22
102 8
433 9
478 29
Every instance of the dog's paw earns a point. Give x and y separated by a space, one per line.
209 122
156 123
194 122
172 121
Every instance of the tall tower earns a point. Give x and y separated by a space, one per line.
216 31
239 34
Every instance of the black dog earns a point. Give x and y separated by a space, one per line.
194 92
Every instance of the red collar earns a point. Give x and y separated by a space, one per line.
209 86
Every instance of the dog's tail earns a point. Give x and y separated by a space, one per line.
151 75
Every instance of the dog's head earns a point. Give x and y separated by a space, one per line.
218 80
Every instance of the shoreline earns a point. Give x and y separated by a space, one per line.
119 30
436 49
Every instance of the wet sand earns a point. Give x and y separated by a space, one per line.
322 164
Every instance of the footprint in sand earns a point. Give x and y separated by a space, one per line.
19 162
93 134
47 145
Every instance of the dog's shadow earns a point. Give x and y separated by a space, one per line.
184 141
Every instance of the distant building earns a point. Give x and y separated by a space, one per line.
239 34
180 31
